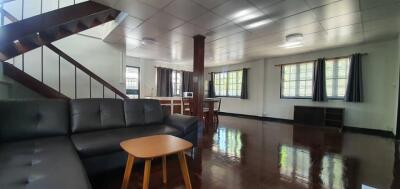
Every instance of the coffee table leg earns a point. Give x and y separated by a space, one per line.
128 171
184 169
146 179
164 166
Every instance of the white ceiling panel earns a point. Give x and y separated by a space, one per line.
131 22
319 3
165 20
343 20
238 11
286 8
185 9
136 8
240 30
336 9
189 29
209 20
210 3
157 3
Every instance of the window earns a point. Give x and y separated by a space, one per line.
228 83
176 83
336 74
132 82
297 80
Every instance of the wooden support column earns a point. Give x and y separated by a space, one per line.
198 75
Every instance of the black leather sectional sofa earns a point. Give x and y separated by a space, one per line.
56 144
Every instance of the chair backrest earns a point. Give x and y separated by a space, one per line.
217 105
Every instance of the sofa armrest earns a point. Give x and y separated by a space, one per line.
183 123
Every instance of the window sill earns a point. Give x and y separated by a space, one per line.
227 96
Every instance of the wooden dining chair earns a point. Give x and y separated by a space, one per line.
217 108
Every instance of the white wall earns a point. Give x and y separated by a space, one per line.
148 73
104 59
9 89
381 79
253 105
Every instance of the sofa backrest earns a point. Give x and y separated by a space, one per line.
96 114
27 119
143 112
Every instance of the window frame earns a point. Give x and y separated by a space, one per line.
137 67
282 81
347 77
175 81
227 84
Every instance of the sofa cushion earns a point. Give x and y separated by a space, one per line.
50 162
143 111
107 141
96 114
26 119
153 112
134 112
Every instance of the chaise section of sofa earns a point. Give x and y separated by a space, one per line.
100 125
35 150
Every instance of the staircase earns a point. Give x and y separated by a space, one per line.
40 31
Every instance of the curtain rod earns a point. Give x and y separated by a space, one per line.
337 57
229 70
172 69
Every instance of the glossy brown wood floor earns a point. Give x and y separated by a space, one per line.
246 153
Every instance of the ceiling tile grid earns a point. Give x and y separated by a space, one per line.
239 30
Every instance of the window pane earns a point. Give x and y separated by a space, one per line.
297 80
132 82
336 77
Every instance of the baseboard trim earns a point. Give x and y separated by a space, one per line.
367 131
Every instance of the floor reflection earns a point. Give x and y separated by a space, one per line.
253 154
228 142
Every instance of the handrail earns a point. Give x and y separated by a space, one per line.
87 71
8 15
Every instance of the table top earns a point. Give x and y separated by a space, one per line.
211 100
155 146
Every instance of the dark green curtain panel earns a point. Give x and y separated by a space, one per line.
354 91
211 89
319 90
164 82
245 91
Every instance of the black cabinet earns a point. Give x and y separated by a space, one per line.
319 116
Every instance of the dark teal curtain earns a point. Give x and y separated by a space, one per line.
319 86
245 93
211 89
354 91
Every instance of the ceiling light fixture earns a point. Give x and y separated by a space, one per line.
293 41
258 24
148 41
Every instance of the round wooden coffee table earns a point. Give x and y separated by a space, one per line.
151 147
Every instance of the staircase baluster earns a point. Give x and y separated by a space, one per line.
76 93
115 95
41 64
90 87
23 62
103 91
59 73
41 6
2 15
22 9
